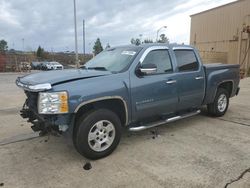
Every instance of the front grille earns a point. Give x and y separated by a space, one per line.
32 98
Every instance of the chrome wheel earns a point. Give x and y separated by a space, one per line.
222 103
101 135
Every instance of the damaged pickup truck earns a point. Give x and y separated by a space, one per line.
132 87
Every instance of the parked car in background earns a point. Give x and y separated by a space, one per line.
132 87
43 65
35 65
54 66
39 66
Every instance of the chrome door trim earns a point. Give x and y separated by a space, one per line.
199 78
182 48
148 71
171 81
145 53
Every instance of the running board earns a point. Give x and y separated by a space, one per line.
155 124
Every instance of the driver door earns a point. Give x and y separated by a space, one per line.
154 94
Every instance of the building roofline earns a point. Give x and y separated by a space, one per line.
237 1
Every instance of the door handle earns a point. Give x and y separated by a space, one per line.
171 81
199 78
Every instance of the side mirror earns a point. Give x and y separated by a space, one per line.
147 69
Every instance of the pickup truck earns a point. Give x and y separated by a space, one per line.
131 87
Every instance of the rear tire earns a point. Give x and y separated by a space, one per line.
97 134
221 101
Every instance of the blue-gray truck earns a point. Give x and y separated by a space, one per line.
131 87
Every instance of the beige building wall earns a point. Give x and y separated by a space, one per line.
216 31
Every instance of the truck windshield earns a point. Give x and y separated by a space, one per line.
113 59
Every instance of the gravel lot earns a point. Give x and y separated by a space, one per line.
196 152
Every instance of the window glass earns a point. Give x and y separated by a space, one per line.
114 59
186 60
161 59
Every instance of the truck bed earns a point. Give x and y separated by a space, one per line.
216 72
216 66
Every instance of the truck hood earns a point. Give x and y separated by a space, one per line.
56 77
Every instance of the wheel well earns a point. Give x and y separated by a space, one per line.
115 105
228 86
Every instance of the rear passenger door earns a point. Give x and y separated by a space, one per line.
190 79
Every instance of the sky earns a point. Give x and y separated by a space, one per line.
26 24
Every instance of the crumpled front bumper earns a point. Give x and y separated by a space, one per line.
47 123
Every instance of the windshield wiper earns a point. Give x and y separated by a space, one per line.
97 68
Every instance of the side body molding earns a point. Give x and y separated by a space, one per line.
102 99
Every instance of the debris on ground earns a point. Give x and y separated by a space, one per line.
155 133
87 166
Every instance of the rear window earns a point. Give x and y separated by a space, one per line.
186 60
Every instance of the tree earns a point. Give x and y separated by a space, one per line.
136 41
40 52
163 39
97 46
3 46
148 41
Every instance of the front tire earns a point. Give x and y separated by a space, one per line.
220 105
97 134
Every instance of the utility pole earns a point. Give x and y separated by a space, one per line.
23 49
52 53
83 36
140 35
76 46
23 43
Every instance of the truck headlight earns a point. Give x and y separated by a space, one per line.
53 103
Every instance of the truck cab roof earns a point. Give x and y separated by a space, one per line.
147 45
